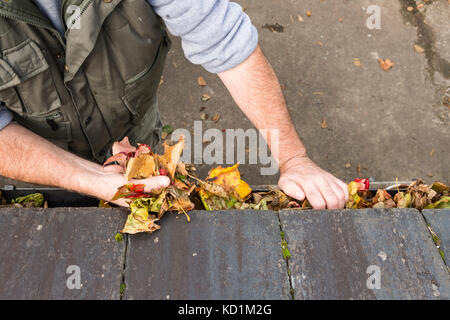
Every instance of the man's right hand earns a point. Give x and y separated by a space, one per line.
27 157
111 180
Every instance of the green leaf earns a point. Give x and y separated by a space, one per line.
167 129
118 237
284 247
230 202
32 200
443 203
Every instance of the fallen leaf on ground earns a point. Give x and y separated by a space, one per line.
216 118
201 81
274 27
386 64
357 62
418 49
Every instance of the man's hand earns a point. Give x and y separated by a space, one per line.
300 178
30 158
112 179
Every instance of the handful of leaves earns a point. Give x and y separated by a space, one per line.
224 189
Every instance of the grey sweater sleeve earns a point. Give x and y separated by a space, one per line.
5 116
214 33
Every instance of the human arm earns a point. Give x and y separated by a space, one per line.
30 158
256 90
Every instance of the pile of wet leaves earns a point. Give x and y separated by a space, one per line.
417 195
224 189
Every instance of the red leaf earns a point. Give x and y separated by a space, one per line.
121 158
142 149
364 184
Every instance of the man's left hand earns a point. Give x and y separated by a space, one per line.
301 177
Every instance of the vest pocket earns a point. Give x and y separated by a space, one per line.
141 90
27 88
50 126
26 83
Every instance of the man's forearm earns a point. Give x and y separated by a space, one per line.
30 158
255 88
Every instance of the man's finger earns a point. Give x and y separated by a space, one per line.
153 183
344 189
291 189
328 194
314 196
337 188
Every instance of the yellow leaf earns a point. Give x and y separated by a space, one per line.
230 179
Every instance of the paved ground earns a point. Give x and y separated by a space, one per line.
340 254
391 124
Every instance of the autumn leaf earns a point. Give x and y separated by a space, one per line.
141 167
143 149
169 160
139 220
201 81
386 65
34 200
120 158
230 180
403 200
443 203
129 191
123 146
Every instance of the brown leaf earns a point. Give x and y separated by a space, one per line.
171 156
216 117
324 124
201 81
274 27
140 167
386 65
418 49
